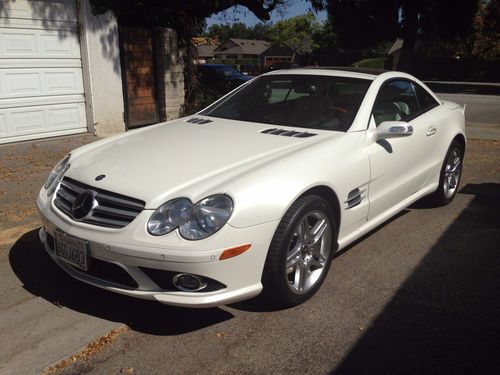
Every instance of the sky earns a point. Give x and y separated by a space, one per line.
242 14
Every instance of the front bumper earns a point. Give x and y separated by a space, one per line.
132 251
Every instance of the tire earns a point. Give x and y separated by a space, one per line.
300 253
449 176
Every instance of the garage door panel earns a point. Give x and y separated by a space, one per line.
63 46
20 84
18 44
39 63
55 10
16 83
3 125
69 82
27 121
41 83
26 24
42 100
22 43
66 118
43 119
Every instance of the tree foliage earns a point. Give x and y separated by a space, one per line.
486 35
260 31
326 37
361 23
163 13
296 33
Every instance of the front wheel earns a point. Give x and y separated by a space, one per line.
300 253
450 174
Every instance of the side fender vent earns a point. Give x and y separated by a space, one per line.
197 120
355 197
287 133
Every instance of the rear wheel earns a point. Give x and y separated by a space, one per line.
300 253
450 174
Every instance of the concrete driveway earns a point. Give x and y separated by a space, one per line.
419 295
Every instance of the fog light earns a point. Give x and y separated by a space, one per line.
188 283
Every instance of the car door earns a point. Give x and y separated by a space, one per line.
399 166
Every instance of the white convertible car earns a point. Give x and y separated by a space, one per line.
255 193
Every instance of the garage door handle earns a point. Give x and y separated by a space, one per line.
431 131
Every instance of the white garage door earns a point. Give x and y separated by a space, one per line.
41 88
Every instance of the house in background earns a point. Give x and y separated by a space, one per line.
205 54
275 54
251 56
205 47
241 49
65 71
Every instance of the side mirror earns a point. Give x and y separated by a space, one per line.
394 129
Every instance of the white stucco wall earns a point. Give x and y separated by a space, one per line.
101 71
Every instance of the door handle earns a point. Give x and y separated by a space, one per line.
431 131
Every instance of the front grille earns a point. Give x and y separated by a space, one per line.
112 210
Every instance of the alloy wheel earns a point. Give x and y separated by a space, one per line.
452 171
308 251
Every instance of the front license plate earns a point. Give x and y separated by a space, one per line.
72 250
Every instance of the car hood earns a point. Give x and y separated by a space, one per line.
183 159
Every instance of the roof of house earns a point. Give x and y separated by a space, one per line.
205 41
244 47
205 51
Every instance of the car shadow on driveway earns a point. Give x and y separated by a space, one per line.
42 277
444 319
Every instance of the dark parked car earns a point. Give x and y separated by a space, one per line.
221 78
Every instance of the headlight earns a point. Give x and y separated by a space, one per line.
195 221
56 175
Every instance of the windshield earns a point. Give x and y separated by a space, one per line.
305 101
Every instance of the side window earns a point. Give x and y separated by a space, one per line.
396 101
424 98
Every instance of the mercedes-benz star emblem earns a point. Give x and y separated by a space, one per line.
83 205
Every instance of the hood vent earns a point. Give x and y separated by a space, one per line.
288 133
197 120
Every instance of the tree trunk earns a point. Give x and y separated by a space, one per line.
410 27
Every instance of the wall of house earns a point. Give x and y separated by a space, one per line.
101 71
169 73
